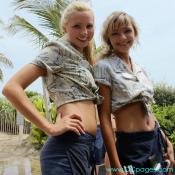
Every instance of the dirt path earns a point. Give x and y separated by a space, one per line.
11 145
17 156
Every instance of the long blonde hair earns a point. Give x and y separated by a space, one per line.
78 6
114 21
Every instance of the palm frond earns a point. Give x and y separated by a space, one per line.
1 75
19 24
50 19
23 4
48 12
5 61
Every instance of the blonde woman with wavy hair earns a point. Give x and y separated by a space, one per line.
65 65
128 95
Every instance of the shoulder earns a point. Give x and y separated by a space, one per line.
56 46
102 68
110 63
139 68
103 63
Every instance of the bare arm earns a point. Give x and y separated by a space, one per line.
170 151
106 126
14 91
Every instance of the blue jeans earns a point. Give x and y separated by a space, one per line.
68 154
99 152
141 150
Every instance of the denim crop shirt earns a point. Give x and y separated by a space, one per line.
126 86
69 75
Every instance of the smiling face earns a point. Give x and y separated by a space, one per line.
122 38
119 33
79 30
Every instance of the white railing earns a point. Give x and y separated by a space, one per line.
11 127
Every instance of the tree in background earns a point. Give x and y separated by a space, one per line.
48 13
164 109
4 61
164 95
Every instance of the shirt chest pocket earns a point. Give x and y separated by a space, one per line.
124 82
125 76
128 76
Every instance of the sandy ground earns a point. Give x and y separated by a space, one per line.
13 146
17 156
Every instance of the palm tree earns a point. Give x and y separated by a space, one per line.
4 60
49 14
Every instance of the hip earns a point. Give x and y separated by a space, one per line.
86 110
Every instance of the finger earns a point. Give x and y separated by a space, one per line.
79 123
75 116
165 156
74 129
75 125
171 163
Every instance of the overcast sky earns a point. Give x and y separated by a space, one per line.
156 51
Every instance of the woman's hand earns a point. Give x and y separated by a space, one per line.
170 153
71 122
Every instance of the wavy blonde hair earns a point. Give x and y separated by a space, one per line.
78 6
114 21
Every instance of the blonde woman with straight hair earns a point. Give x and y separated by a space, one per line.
65 65
128 94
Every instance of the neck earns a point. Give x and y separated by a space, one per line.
65 37
72 44
126 58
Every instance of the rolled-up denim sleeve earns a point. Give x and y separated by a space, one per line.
102 73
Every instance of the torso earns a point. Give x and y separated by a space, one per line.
85 109
133 118
127 86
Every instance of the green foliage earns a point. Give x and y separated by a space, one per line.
164 95
48 14
38 136
4 61
166 118
31 94
7 110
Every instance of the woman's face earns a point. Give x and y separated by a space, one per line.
80 29
122 38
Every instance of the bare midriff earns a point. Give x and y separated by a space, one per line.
85 109
133 117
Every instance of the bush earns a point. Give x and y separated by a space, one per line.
37 135
164 95
31 94
7 110
166 117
